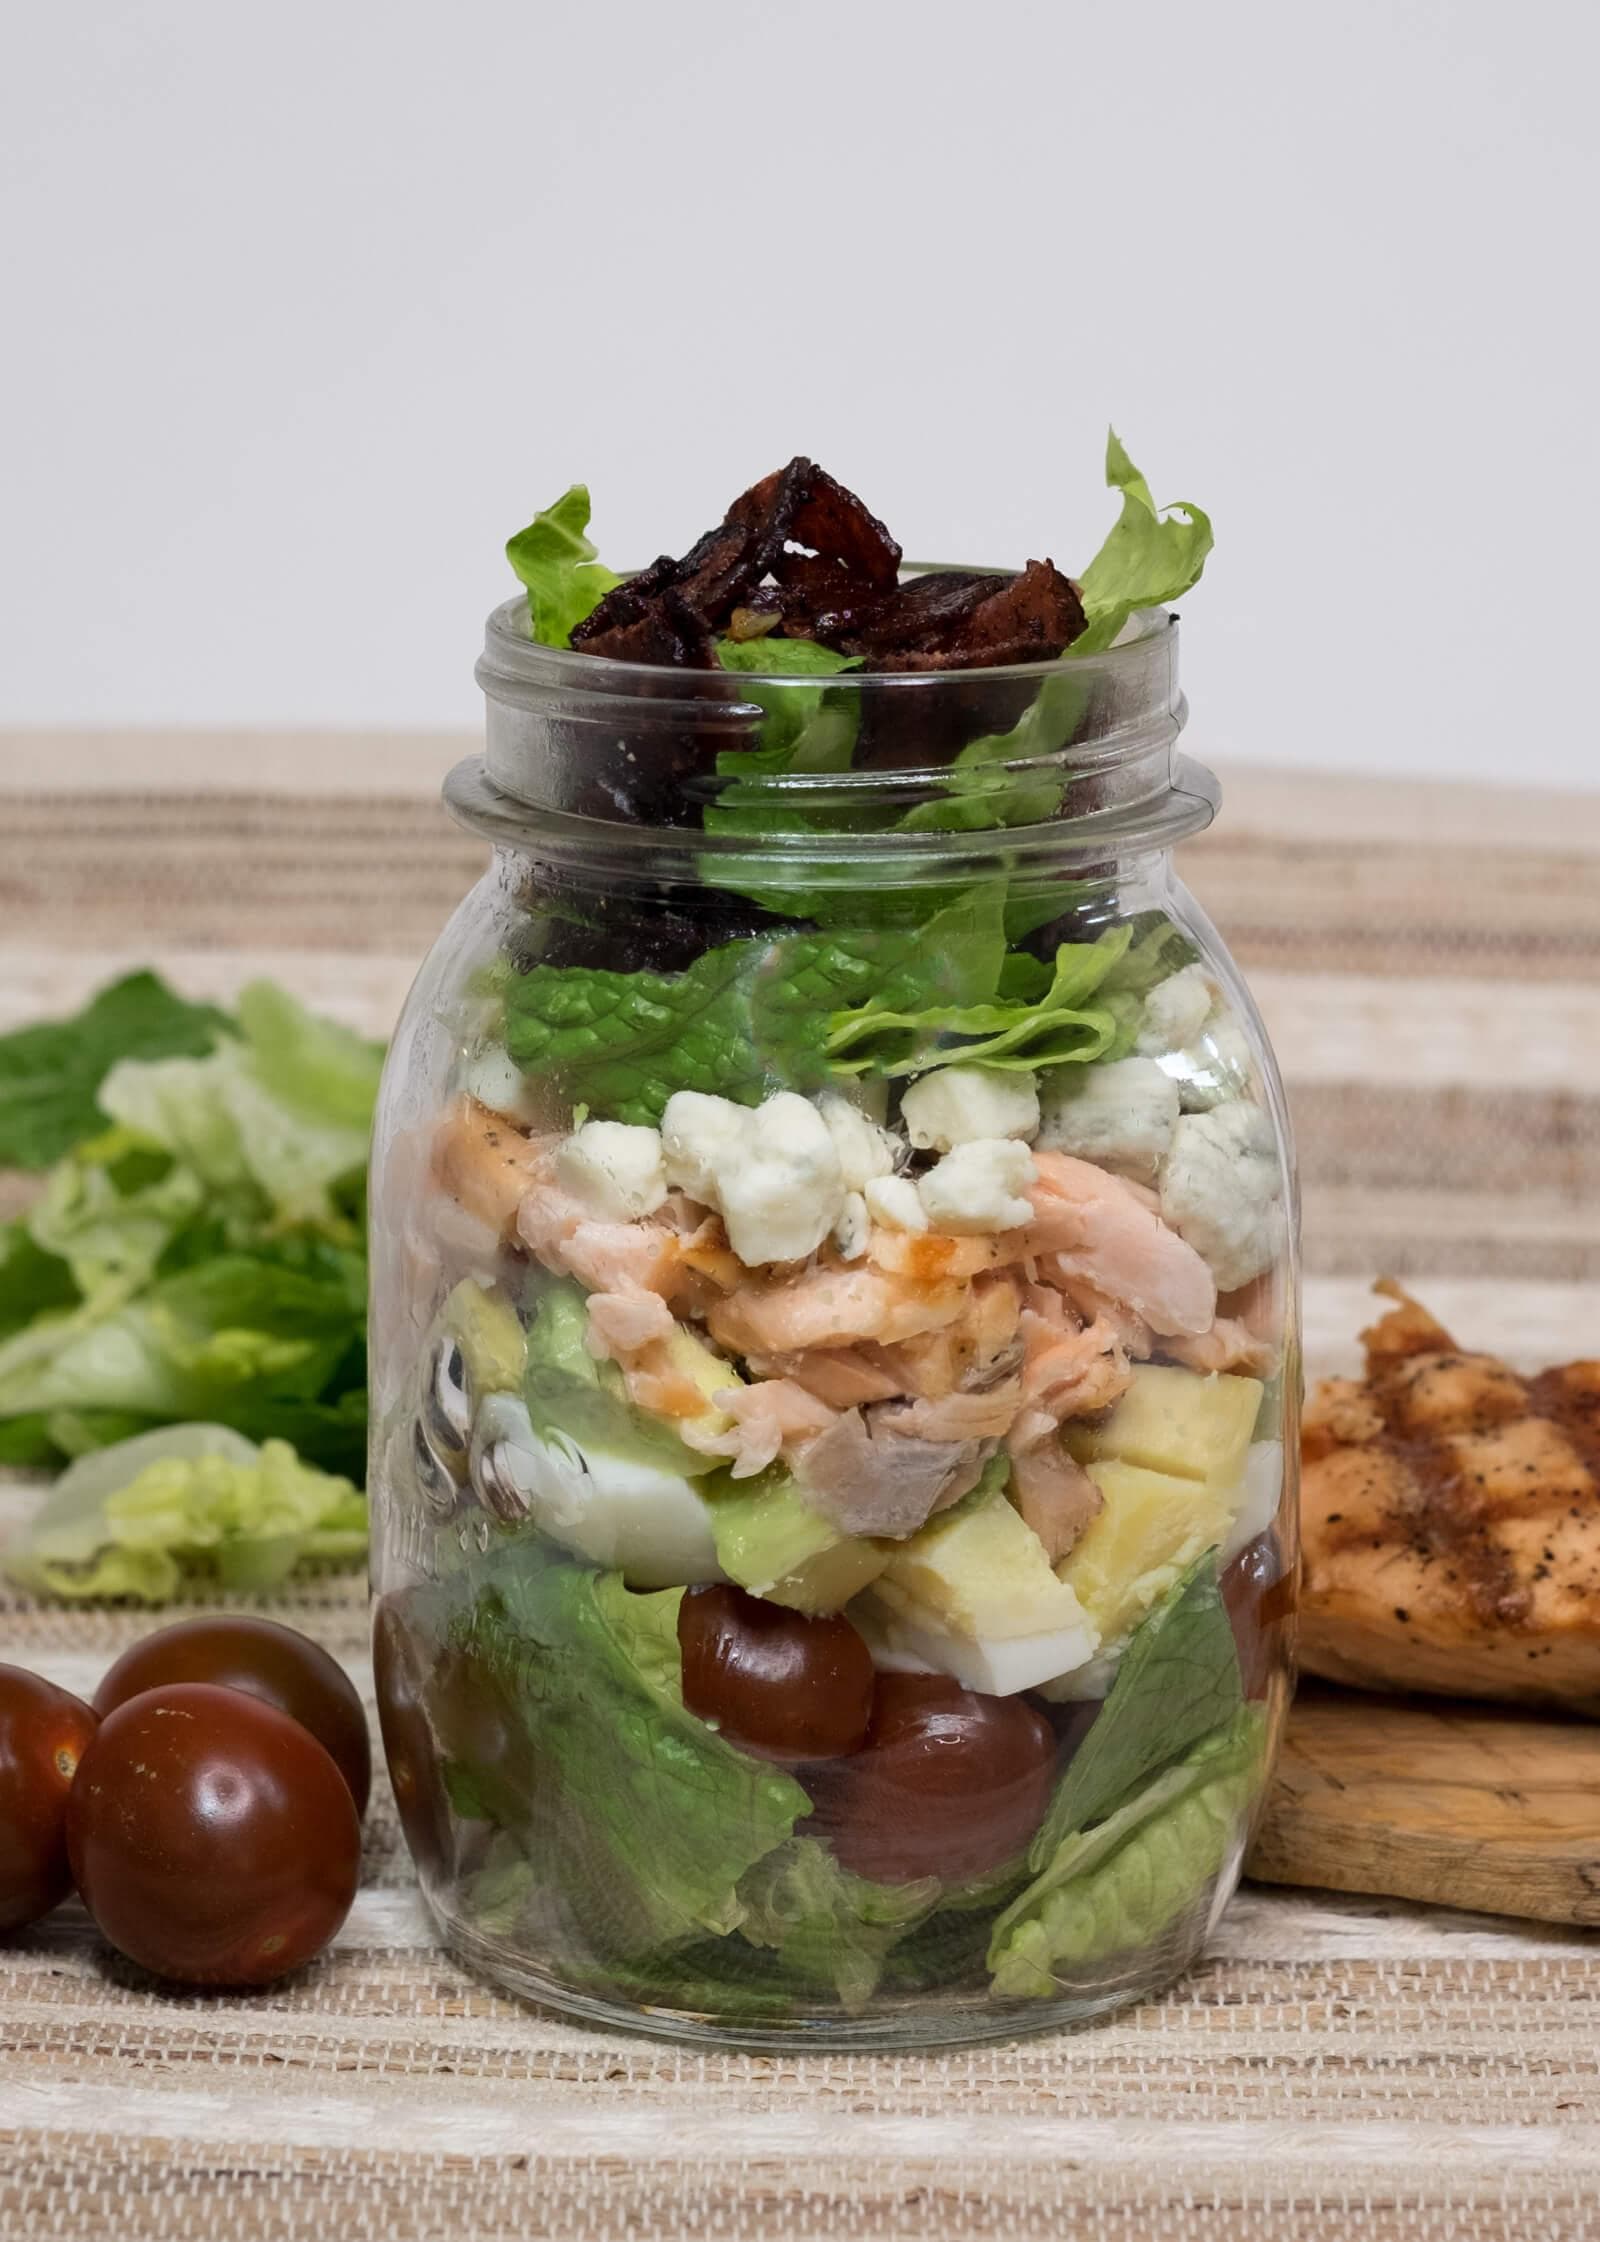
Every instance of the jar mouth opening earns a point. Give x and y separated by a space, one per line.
508 635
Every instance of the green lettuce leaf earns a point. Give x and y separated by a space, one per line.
50 1073
1178 1680
107 1219
554 558
630 1808
982 793
1059 1026
1148 559
268 1342
322 1070
33 1281
746 1018
828 1929
1118 1887
268 1124
190 1503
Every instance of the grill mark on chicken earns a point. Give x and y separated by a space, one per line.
1452 1520
1445 1521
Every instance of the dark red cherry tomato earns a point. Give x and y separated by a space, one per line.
1261 1599
44 1732
284 1669
400 1679
949 1783
771 1680
211 1836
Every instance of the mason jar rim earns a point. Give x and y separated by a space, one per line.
507 634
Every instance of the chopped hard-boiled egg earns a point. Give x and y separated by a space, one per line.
905 1639
959 1105
650 1523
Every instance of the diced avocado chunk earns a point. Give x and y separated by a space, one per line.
485 1327
980 1572
1152 1527
770 1542
694 1360
1178 1422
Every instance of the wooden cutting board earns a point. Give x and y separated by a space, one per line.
1465 1805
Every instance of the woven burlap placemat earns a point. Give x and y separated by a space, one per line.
1430 967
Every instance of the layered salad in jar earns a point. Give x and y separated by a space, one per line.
851 1431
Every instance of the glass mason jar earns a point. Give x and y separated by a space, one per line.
834 1354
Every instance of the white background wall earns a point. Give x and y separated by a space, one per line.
306 306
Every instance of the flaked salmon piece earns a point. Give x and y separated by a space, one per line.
1068 1370
658 1386
1095 1227
983 1415
828 1307
1133 1335
1054 1494
927 1257
633 1328
1228 1345
1071 1373
977 1347
620 1323
844 1377
1451 1521
486 1164
769 1418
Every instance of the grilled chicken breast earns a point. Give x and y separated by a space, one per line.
1451 1522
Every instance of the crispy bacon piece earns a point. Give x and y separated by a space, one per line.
960 619
797 515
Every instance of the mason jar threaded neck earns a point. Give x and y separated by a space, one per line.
885 775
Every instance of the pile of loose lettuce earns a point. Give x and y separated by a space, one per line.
195 1256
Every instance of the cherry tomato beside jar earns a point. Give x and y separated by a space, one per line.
775 1682
44 1732
949 1783
212 1838
415 1769
275 1664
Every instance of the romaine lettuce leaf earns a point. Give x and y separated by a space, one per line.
1064 1024
828 1929
268 1342
50 1073
268 1124
981 794
1178 1680
746 1018
105 1221
554 558
203 1255
637 1813
1148 559
189 1503
1117 1887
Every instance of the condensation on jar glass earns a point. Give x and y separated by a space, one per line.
834 1355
